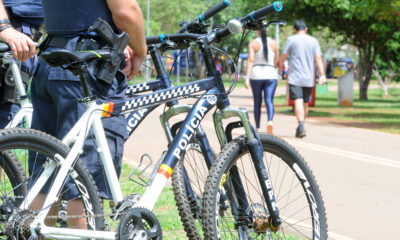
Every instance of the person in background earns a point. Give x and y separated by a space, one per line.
262 75
304 52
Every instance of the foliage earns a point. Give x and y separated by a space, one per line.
165 15
388 61
367 24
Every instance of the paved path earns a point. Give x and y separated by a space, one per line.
358 170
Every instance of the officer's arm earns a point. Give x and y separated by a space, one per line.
21 45
128 17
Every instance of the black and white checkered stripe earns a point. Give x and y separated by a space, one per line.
138 88
160 97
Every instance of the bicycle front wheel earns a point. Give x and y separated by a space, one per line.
230 212
78 205
188 181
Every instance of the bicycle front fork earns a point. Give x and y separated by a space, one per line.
255 147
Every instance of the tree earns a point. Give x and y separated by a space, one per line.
367 24
386 68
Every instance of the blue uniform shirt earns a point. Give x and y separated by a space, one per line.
29 12
73 16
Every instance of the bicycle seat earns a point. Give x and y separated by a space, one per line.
59 57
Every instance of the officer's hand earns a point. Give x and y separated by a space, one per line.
136 63
21 45
128 68
133 63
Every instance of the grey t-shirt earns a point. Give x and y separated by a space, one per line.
301 49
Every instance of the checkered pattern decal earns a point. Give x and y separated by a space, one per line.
138 88
161 96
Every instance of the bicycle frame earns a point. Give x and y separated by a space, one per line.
215 96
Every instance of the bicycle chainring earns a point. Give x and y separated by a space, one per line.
139 224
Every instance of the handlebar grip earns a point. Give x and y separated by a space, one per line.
4 47
222 33
155 39
275 7
257 14
214 10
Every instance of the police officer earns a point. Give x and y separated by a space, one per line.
55 92
20 21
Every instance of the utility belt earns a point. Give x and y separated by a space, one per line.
99 36
86 42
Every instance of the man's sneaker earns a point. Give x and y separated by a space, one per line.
270 129
300 132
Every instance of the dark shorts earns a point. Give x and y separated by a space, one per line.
298 92
55 93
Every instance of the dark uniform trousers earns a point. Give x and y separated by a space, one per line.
55 93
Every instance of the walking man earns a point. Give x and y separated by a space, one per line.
304 52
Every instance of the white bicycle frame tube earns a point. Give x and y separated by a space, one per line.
76 136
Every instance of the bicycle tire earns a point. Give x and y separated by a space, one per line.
190 211
11 174
24 142
277 154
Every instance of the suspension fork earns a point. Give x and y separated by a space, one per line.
253 143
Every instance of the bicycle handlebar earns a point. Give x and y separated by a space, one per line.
206 15
253 16
214 10
257 14
4 47
172 37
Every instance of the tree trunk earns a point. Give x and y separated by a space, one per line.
366 62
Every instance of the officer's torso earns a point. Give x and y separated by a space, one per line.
72 16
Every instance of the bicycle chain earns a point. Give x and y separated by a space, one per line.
87 216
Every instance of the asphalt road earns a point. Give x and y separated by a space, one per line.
358 170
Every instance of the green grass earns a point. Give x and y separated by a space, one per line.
377 113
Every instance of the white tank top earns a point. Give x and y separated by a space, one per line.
262 69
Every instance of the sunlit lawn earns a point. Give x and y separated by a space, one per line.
377 113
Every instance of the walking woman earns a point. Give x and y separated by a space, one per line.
262 75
